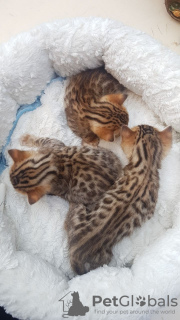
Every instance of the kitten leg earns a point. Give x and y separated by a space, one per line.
32 141
72 217
96 257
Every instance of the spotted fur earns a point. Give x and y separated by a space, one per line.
93 105
77 174
125 206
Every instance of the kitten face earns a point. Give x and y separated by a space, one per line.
104 133
112 115
30 174
94 106
148 136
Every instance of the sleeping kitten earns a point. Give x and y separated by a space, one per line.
93 105
125 206
77 174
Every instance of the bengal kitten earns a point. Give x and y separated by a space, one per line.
77 174
93 105
125 206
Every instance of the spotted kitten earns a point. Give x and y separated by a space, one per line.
125 206
77 174
94 106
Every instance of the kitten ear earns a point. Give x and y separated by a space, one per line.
118 98
166 139
103 133
126 132
166 134
128 138
18 155
35 194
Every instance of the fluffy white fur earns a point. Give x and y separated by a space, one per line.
34 267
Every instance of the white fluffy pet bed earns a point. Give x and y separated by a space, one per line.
34 268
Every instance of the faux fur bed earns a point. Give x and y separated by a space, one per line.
34 267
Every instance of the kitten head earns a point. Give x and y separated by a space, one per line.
109 116
149 140
31 173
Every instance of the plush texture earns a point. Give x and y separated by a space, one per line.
34 267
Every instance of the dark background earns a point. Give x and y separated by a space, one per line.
5 316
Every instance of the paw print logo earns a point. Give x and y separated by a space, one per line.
141 301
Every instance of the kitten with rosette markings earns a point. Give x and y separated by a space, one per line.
125 206
94 106
77 174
